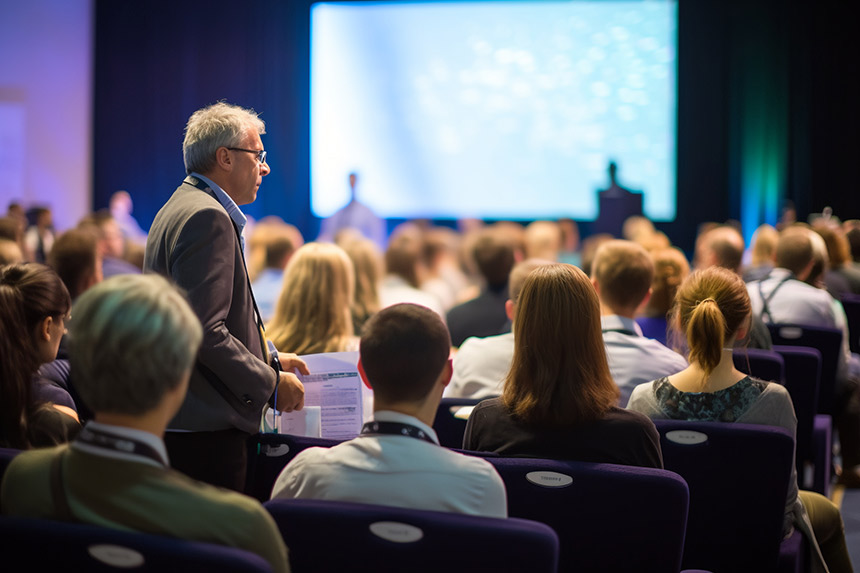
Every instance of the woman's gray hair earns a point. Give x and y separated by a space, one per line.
132 339
218 125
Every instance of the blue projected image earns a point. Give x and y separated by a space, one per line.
506 110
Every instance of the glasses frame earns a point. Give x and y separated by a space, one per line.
261 153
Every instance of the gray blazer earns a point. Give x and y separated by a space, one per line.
194 242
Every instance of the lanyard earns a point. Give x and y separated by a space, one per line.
128 446
395 429
621 331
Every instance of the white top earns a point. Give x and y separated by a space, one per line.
480 366
796 302
394 290
394 470
634 359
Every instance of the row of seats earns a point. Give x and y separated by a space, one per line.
565 516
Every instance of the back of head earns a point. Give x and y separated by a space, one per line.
838 248
589 250
10 252
764 243
670 270
403 257
29 293
624 273
710 307
493 252
404 349
313 310
76 258
543 240
133 339
637 228
559 374
794 250
368 265
10 228
218 125
519 273
721 246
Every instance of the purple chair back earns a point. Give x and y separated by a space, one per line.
609 518
828 341
343 536
58 546
268 454
762 364
738 476
851 304
653 327
449 429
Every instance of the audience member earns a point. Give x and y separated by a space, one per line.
368 266
10 252
713 308
267 286
784 298
121 207
839 255
196 240
405 271
622 274
559 400
77 259
39 236
34 306
133 346
481 364
112 244
444 279
313 313
723 246
397 459
569 242
670 269
543 240
495 254
763 255
589 249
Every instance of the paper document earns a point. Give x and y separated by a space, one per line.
335 386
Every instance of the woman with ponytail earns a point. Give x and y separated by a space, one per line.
34 304
712 310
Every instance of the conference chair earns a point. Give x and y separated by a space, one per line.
344 536
738 475
609 518
851 304
448 426
268 454
653 327
43 545
798 369
828 341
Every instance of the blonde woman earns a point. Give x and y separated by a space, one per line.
369 270
313 312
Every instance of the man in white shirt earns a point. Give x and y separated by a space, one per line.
622 273
397 459
481 364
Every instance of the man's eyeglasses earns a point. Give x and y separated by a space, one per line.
261 154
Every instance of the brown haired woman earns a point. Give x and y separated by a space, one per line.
559 399
34 304
712 308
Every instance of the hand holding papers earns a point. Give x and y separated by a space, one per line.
336 388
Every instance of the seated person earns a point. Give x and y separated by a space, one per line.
34 305
622 273
559 400
713 309
481 364
670 269
132 344
397 459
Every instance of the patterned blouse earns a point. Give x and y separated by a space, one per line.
725 405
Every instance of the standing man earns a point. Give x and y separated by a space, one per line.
196 240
